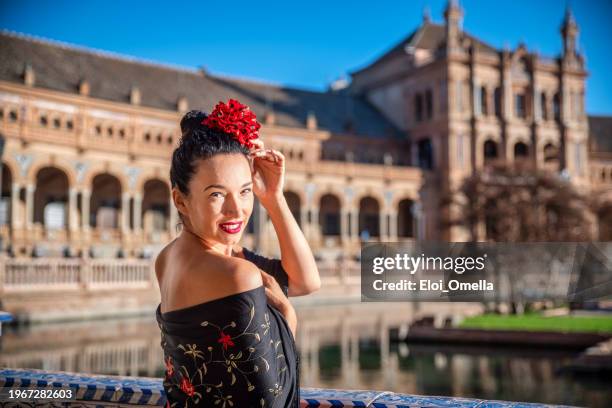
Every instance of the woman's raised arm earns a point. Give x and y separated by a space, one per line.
296 255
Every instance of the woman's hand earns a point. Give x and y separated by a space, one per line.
268 172
277 298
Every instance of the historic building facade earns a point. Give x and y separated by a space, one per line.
89 135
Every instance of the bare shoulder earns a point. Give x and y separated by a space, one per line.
227 275
195 277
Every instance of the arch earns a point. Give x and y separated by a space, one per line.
329 214
143 179
37 166
328 190
490 150
521 150
51 198
405 219
9 161
369 217
295 205
6 190
155 211
93 173
551 153
105 201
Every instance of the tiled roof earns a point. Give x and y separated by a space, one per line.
62 67
600 133
428 36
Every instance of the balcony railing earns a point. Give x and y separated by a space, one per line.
19 275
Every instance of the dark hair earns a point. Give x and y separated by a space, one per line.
198 142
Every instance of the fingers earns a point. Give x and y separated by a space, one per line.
257 144
271 155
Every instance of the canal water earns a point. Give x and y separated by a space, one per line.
332 355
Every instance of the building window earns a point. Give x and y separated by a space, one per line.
557 106
519 106
490 151
543 106
429 103
521 150
497 100
13 116
483 101
425 154
43 121
551 153
418 107
57 123
69 125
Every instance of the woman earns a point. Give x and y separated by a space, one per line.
227 326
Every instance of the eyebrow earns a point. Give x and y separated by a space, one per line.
219 186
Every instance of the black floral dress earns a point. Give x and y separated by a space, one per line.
236 351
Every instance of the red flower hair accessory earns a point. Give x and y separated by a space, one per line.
235 119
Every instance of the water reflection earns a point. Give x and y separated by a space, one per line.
341 346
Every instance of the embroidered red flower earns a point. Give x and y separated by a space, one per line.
169 367
187 387
226 340
235 119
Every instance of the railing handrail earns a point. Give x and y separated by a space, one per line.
19 275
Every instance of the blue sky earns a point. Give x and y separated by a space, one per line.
306 44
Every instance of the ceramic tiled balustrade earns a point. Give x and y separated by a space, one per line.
114 391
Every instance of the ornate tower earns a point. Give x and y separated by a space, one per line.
453 16
569 31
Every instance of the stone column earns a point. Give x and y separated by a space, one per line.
137 210
85 199
344 234
393 225
16 222
315 228
124 223
355 224
382 226
72 210
29 215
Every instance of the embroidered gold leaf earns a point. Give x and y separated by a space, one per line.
266 363
233 379
204 324
252 312
257 337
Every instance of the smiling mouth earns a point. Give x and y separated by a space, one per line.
231 227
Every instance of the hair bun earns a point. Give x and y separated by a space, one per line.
192 120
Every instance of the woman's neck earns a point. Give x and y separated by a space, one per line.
216 247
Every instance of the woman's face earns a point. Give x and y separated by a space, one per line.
221 199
